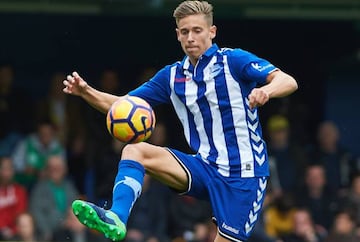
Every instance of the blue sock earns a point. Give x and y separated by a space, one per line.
127 188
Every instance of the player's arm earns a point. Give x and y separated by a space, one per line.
279 84
76 85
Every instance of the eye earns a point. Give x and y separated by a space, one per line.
184 32
197 30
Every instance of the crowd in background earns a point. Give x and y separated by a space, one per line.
57 149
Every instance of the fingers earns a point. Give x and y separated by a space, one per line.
257 98
75 74
74 84
252 102
68 86
254 99
70 81
73 78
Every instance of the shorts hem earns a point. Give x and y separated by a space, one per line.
229 237
223 234
188 174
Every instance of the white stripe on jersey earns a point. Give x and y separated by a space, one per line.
240 124
191 104
217 128
191 90
179 107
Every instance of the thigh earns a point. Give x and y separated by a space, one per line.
158 163
236 205
220 238
198 172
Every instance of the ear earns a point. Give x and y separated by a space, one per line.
177 34
213 32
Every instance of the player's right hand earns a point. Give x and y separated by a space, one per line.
75 84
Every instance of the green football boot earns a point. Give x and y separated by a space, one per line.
104 221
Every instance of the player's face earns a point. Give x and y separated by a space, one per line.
195 35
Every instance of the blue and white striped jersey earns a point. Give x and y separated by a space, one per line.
211 102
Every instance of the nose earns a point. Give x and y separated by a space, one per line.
190 37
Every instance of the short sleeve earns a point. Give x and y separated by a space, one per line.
247 66
155 91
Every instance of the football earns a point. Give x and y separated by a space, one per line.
130 120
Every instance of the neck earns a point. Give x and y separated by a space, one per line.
4 90
56 183
193 61
29 238
316 192
329 148
4 183
280 145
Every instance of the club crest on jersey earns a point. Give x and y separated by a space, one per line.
215 70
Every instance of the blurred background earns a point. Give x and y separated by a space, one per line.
117 45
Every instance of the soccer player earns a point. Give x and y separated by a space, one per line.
215 93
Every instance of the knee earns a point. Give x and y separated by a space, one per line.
141 152
133 152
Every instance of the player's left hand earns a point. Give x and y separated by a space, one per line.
258 97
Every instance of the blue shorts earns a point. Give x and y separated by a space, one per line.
236 202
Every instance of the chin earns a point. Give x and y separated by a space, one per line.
193 55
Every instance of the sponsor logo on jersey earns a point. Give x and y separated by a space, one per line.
182 79
260 68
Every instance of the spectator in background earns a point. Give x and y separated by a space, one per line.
13 199
15 111
187 215
279 216
336 159
318 198
63 111
105 170
76 161
146 74
109 82
25 228
31 153
51 197
351 200
98 137
304 228
71 230
344 228
54 106
286 159
159 135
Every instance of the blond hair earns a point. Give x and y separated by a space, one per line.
189 7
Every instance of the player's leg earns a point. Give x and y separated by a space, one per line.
158 163
135 160
236 204
219 238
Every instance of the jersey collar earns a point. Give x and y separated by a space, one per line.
185 63
211 51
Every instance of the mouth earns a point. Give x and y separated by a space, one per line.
191 47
